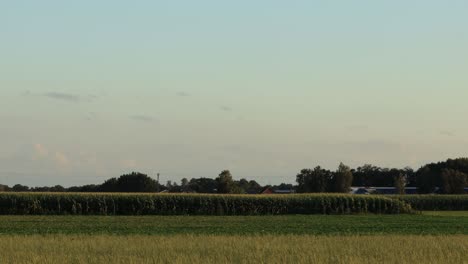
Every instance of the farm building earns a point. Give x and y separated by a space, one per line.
269 190
381 190
388 190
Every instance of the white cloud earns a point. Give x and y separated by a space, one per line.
61 159
58 158
40 151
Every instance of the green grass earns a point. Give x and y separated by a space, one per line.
420 224
430 237
446 213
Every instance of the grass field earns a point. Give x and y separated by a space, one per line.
234 249
430 237
446 213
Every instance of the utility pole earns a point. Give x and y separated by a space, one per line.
158 182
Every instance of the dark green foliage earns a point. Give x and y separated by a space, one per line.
453 181
436 202
200 185
195 204
226 184
369 175
431 175
109 185
84 188
20 188
313 181
364 175
134 182
320 180
427 179
342 179
246 186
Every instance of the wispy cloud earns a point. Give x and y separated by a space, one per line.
91 116
144 118
40 151
447 133
226 108
183 94
61 96
58 158
26 93
61 159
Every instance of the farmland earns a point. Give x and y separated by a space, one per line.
445 224
195 204
320 237
430 237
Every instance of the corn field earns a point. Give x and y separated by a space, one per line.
433 202
195 204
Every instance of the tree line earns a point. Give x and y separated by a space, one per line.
450 177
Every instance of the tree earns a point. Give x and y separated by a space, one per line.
201 185
246 186
84 188
426 179
226 184
4 188
184 182
454 181
20 188
366 175
133 182
316 180
303 181
283 186
400 183
136 182
169 184
57 188
254 187
110 185
342 180
410 176
184 185
431 175
460 164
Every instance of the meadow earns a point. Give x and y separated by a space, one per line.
234 249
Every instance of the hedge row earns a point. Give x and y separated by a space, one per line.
431 202
194 204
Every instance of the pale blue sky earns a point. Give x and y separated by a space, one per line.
93 89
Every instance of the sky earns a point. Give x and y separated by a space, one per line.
90 90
